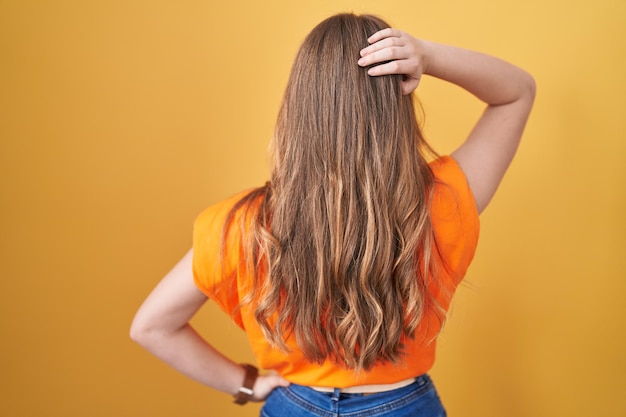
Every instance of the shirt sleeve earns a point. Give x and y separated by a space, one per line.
454 218
214 270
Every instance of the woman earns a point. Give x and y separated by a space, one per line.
341 268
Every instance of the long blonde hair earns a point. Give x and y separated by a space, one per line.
340 241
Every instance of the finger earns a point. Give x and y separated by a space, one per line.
276 377
392 67
384 33
278 381
382 44
386 54
283 383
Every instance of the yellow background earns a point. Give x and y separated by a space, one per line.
121 120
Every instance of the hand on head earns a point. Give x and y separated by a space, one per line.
392 51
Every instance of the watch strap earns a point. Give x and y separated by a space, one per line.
245 391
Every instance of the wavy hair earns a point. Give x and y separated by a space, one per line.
340 238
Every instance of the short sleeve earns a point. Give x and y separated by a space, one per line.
214 271
454 217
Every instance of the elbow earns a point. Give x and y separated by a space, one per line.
148 332
137 333
140 332
530 87
526 91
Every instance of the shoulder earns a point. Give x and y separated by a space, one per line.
216 214
451 189
447 170
212 222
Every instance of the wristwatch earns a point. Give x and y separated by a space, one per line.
245 391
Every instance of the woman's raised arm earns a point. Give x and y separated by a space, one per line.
507 90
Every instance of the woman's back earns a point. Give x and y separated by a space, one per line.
455 228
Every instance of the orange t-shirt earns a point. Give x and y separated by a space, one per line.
455 223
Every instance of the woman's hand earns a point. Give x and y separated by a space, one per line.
265 384
393 51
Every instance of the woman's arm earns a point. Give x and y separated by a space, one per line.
162 327
507 90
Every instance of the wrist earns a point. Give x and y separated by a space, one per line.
426 48
246 390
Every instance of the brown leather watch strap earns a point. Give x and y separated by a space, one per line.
245 392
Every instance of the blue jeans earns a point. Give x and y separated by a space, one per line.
418 399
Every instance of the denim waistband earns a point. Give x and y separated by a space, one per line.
298 400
